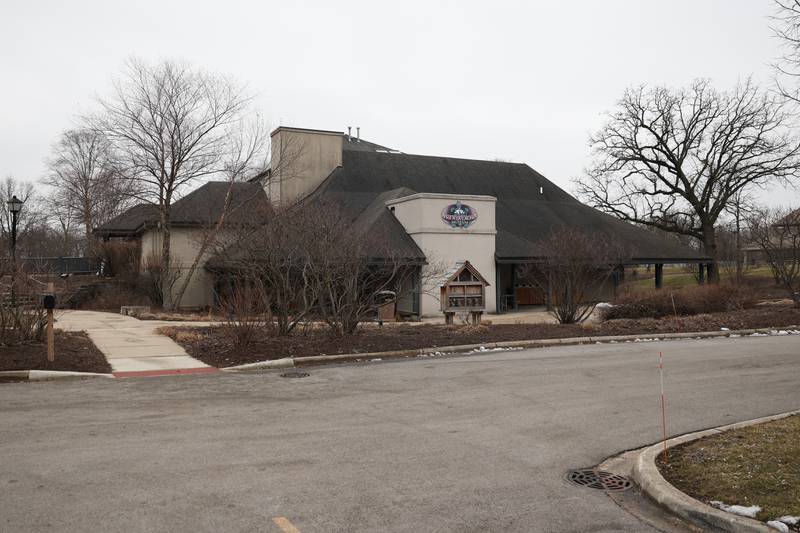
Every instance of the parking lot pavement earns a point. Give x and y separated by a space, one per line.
477 443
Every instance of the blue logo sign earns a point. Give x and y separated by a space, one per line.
459 215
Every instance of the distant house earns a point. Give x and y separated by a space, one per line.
786 229
434 209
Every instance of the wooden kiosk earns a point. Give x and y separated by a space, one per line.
463 290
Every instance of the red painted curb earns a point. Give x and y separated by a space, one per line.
154 373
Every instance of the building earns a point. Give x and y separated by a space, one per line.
439 210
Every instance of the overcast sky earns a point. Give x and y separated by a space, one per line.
523 81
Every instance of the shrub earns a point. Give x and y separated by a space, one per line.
21 323
246 315
685 301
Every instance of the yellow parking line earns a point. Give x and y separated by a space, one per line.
283 523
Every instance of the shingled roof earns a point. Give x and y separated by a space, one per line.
201 207
128 222
529 206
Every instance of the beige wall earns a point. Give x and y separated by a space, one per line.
184 245
301 160
443 245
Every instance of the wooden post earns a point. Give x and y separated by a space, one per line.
51 350
659 275
701 278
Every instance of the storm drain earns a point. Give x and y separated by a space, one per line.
295 375
599 479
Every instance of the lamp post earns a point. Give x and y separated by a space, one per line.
14 207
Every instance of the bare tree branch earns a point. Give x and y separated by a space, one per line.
675 159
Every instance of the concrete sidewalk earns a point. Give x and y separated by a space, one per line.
129 344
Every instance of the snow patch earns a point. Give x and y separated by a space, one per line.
724 329
483 349
780 526
376 359
741 510
791 520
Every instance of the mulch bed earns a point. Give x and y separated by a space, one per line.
74 352
213 347
756 465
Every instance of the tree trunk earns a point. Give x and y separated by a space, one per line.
166 286
208 237
710 249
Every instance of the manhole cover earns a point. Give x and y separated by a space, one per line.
295 375
599 479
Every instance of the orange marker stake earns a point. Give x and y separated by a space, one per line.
663 406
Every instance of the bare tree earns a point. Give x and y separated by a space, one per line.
247 157
787 68
573 270
31 216
274 259
309 260
674 159
352 273
86 181
740 208
171 125
777 234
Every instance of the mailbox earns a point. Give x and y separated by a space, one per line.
49 301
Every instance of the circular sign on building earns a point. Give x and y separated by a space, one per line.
459 215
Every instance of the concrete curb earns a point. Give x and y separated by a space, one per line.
487 346
49 375
652 483
286 362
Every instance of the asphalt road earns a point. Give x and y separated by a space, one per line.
476 443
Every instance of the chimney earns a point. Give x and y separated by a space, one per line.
349 128
358 133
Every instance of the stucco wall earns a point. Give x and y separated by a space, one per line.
443 245
301 160
184 245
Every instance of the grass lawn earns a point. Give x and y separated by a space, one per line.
677 277
757 465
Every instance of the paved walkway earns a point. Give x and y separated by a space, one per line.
129 344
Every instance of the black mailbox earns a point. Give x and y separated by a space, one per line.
49 301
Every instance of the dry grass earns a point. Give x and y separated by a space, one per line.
681 302
182 335
757 465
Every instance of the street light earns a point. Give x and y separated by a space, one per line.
14 207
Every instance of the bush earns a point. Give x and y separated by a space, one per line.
22 323
685 301
246 315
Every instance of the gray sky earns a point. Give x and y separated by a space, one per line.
524 81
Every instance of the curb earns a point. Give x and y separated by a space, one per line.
658 489
486 347
48 375
286 362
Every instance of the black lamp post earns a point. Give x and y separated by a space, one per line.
14 207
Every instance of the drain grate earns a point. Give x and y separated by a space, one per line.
295 375
599 479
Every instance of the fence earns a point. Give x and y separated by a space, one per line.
60 265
